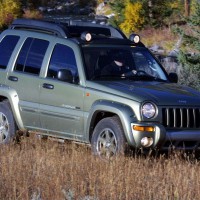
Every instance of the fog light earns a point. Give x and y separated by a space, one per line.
146 141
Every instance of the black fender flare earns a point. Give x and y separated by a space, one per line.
123 111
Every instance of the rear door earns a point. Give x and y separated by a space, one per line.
61 103
24 78
7 46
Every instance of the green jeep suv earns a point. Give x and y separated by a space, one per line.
89 83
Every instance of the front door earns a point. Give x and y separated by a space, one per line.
61 103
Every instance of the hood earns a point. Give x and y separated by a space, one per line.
159 92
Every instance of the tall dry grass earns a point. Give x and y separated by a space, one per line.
35 169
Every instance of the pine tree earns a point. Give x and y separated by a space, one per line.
118 7
191 42
155 13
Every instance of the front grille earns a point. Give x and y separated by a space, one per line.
181 117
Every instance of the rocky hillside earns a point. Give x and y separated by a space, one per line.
101 13
70 7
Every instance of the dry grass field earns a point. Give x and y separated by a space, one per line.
35 169
164 37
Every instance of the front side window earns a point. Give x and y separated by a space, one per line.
31 56
7 46
136 63
62 58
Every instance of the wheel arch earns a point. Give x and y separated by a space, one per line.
103 108
10 95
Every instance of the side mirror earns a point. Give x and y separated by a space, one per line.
173 77
65 75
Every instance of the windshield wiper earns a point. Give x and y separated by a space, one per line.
136 77
144 77
105 77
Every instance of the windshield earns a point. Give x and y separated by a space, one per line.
125 62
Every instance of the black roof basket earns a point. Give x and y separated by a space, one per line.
114 32
70 28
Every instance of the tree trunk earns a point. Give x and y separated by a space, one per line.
187 8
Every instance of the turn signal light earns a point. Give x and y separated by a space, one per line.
144 128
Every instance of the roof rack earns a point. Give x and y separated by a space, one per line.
40 26
70 28
114 32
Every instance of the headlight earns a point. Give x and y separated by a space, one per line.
148 110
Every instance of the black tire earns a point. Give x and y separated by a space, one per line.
108 138
7 123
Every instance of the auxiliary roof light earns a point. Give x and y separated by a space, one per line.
86 36
134 38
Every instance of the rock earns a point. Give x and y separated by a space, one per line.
174 53
100 7
42 9
157 49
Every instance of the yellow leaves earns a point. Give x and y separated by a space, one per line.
9 10
175 5
32 14
133 18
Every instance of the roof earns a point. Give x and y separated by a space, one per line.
68 29
101 34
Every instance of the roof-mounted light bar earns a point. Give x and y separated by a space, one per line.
134 38
86 36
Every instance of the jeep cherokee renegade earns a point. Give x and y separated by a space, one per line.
90 83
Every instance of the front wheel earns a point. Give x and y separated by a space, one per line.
108 138
7 123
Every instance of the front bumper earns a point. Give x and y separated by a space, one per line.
182 139
163 139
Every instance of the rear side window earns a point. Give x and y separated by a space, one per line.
7 46
31 56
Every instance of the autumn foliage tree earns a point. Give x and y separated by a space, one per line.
9 10
133 18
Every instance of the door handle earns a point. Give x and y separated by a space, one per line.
13 78
48 86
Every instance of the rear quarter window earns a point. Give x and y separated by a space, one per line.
7 46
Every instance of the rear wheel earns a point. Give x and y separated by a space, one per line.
108 138
7 123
